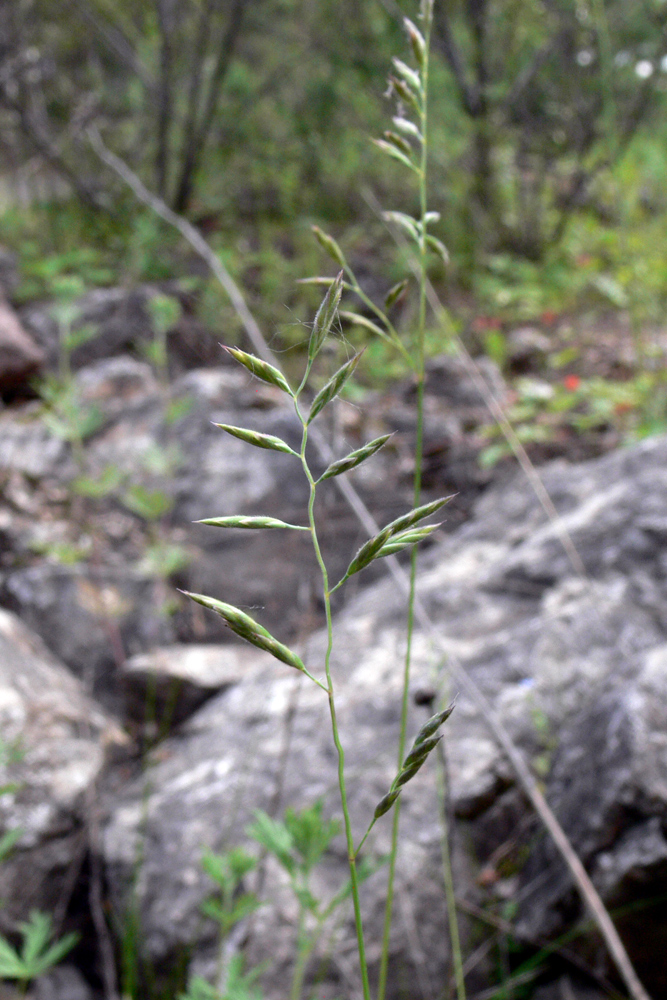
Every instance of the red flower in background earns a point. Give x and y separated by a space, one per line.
571 382
481 323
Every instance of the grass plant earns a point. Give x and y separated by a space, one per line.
402 533
408 143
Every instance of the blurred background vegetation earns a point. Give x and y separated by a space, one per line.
253 118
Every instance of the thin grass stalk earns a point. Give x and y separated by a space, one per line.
448 875
494 724
419 366
354 879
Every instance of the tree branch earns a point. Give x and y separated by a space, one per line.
197 145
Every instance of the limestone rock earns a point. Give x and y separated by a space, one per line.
53 740
575 667
170 683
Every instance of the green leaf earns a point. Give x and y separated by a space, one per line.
416 41
10 838
329 244
406 222
373 547
247 628
396 292
408 127
396 154
99 486
165 311
399 142
275 837
151 505
237 521
333 386
11 966
439 247
325 317
269 441
311 833
354 458
411 77
360 320
261 369
36 954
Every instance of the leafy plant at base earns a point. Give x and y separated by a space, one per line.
298 844
251 631
36 954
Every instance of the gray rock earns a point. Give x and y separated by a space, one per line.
118 317
20 357
91 617
575 667
172 682
62 983
27 447
232 757
528 349
53 740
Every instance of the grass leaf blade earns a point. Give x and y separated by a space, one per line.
325 317
239 521
354 458
247 628
269 441
333 386
261 369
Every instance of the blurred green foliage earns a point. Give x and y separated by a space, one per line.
567 216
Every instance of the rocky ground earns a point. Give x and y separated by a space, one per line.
137 733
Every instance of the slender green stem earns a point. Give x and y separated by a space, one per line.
419 371
455 940
392 336
303 953
354 879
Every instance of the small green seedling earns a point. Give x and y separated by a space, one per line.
37 953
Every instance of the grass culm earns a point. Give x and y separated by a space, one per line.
402 533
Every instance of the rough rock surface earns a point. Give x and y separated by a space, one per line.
94 568
53 740
576 667
170 683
